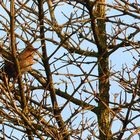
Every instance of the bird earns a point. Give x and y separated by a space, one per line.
25 59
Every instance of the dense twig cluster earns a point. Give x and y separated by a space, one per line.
68 93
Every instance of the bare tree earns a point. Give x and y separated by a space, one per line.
58 77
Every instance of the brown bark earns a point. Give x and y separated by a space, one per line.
99 30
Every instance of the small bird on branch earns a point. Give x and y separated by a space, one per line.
25 58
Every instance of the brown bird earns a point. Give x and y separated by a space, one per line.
25 58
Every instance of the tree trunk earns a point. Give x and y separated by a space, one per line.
98 24
103 71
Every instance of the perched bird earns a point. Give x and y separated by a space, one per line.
25 58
